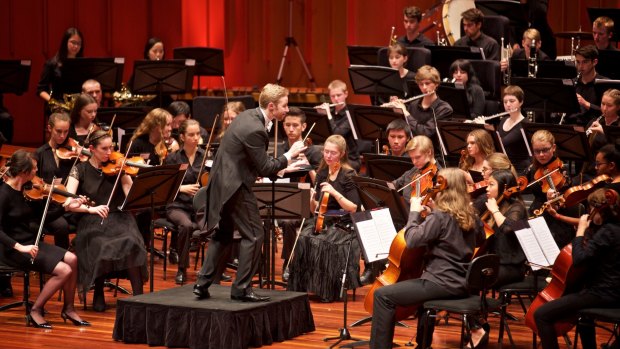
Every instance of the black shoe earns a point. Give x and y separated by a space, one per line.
173 256
75 322
46 325
367 277
181 277
250 296
201 292
6 290
99 302
225 277
285 275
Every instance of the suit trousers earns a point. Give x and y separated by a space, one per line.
412 292
241 212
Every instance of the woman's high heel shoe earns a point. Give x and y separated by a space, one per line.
46 325
75 322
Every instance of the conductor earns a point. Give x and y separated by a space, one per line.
231 204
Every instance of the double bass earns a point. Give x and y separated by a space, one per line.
399 257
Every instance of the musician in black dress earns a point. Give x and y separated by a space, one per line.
181 211
50 166
19 223
463 72
610 116
318 259
71 46
83 117
108 241
595 248
449 234
510 129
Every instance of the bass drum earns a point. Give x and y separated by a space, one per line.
443 20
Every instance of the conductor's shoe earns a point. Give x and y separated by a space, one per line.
201 292
250 296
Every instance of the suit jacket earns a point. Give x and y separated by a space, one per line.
240 159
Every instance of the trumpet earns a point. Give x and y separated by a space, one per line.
506 54
589 130
392 37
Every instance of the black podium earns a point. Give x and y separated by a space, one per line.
163 77
107 71
154 187
209 60
548 95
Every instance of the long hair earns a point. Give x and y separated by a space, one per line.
155 118
63 52
149 44
466 66
483 140
80 103
341 144
21 162
505 179
455 199
500 161
541 136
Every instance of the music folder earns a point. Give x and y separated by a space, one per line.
538 244
375 229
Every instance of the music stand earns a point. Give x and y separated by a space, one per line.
386 167
443 56
548 95
14 76
279 201
453 94
370 121
126 117
376 193
321 129
608 63
571 141
546 69
602 85
204 108
107 71
454 135
375 80
154 187
209 60
159 77
363 55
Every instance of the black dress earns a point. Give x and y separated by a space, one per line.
319 259
115 245
20 223
514 145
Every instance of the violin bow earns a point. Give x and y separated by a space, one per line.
204 156
415 180
118 176
47 205
309 131
543 177
90 131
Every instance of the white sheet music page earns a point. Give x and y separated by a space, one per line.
385 228
545 239
532 250
370 240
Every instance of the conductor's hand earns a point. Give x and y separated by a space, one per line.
189 189
31 250
101 210
297 148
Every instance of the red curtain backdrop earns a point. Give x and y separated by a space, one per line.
252 34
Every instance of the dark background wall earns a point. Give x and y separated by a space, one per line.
251 32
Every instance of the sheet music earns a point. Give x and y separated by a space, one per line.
532 250
371 240
545 239
385 227
120 133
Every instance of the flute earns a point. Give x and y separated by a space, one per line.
320 106
589 130
482 119
418 97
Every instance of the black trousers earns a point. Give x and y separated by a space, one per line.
405 293
566 308
184 222
241 212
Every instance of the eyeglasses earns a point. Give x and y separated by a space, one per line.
598 164
75 43
541 151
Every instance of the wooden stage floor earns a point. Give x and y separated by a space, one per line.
328 318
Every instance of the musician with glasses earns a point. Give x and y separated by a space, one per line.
411 21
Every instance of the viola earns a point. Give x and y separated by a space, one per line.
553 176
320 218
40 190
71 150
432 192
574 195
130 166
422 180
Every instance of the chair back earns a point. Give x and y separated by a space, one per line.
483 272
200 199
204 108
489 74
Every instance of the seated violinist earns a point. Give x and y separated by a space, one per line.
398 135
449 233
595 248
83 117
610 108
549 184
51 166
420 150
320 254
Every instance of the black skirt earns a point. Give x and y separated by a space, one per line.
47 259
319 260
108 248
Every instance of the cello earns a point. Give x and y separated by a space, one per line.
399 257
564 276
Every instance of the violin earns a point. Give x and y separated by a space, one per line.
477 188
71 149
574 195
130 166
203 178
320 218
40 190
422 180
552 174
431 193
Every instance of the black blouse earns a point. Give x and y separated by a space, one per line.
141 145
504 242
599 254
97 186
46 163
343 184
185 201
